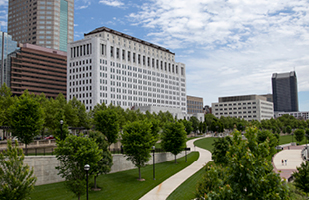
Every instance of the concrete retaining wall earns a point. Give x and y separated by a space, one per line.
44 166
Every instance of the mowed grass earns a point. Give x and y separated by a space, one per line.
186 190
285 139
120 185
205 143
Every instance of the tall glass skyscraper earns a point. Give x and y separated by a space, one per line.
7 47
285 94
46 23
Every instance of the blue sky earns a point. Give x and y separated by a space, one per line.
230 47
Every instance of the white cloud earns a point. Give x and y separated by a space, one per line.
114 3
237 44
3 2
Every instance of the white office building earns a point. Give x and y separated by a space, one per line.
298 115
115 68
247 107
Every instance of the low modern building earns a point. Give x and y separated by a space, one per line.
297 115
39 70
194 105
115 68
247 107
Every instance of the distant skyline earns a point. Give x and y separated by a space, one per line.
229 47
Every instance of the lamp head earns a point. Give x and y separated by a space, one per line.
86 167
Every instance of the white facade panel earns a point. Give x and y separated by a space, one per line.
119 71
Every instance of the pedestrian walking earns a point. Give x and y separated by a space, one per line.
286 162
282 162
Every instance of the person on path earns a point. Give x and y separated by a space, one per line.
286 162
282 162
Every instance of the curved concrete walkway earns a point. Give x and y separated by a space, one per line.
163 190
293 156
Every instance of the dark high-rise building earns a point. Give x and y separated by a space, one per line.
285 96
46 23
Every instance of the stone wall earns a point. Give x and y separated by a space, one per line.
44 166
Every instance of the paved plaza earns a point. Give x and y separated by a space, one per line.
292 154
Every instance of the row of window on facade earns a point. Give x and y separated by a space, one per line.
235 113
234 104
85 75
235 108
77 63
244 116
81 50
155 63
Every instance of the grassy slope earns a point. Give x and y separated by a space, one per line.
120 185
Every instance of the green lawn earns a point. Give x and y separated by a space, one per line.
205 143
186 190
120 185
285 139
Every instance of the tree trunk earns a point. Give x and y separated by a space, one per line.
139 173
26 150
78 197
175 159
95 182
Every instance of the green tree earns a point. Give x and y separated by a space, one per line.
174 138
221 146
6 100
299 134
301 177
137 141
26 118
74 153
106 121
289 129
188 126
105 164
16 179
248 175
195 123
83 116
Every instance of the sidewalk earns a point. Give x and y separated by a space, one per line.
163 190
293 156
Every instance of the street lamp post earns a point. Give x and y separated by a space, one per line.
153 156
61 123
86 168
292 137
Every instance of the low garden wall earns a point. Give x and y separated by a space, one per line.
44 166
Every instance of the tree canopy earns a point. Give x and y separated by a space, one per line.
137 141
174 138
26 117
248 174
16 179
73 154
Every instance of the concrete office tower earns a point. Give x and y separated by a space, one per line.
7 47
115 68
247 107
46 23
285 96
